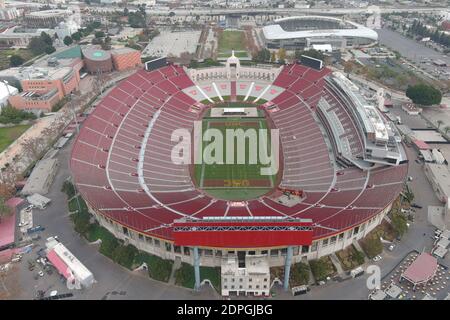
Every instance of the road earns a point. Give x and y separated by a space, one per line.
112 278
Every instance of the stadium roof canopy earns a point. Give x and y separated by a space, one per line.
276 32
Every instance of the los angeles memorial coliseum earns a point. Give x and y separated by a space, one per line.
341 164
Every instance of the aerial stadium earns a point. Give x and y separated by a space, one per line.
305 31
341 163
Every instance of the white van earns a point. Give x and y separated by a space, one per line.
357 272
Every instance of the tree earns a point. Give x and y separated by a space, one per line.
273 57
399 223
424 94
348 67
372 246
446 129
16 60
281 54
319 269
46 38
99 34
36 46
439 123
300 274
68 40
50 49
262 56
32 147
76 36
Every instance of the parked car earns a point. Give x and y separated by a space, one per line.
377 258
391 247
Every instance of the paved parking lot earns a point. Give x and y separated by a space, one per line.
412 50
113 281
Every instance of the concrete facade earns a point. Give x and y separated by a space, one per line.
212 257
125 58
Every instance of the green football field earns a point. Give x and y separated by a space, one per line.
234 181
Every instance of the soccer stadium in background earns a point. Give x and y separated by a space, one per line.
341 165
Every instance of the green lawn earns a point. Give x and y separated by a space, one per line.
234 181
6 54
158 268
185 276
238 54
231 40
9 135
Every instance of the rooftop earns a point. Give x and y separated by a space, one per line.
36 73
276 32
7 230
49 13
441 174
422 269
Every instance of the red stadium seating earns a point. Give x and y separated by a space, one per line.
131 128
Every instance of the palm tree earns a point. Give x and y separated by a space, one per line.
439 123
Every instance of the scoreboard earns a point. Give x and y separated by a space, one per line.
311 62
155 64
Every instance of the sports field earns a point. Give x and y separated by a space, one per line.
231 40
235 181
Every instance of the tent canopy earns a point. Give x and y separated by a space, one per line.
422 269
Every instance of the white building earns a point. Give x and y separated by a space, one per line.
66 29
5 92
245 276
439 177
302 32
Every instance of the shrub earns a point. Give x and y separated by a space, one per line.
10 114
213 275
299 274
68 189
16 60
321 268
185 276
109 244
372 245
68 40
81 219
399 223
125 255
424 94
158 268
358 256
